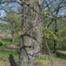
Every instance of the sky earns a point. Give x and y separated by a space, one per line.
2 13
53 5
15 7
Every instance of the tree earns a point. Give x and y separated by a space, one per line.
31 37
14 23
33 13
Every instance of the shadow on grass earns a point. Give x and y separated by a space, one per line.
12 61
61 55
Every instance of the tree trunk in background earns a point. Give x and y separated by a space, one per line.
32 29
55 42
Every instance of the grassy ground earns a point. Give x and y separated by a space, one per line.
46 60
43 60
4 53
4 56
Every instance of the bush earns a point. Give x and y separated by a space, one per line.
1 44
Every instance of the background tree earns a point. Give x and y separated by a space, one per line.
13 24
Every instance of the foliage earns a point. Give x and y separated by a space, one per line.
14 24
14 21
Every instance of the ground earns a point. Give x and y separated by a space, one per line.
43 60
56 62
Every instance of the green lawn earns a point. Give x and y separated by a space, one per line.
4 53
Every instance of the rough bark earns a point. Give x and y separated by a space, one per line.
31 26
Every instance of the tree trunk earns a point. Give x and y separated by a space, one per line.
31 38
55 42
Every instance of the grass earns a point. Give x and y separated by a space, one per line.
41 60
4 53
61 54
5 42
4 57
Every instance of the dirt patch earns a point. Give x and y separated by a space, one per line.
4 62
